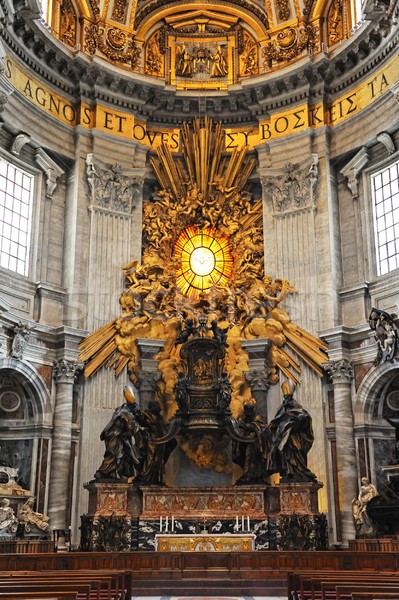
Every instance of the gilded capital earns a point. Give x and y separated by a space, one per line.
339 371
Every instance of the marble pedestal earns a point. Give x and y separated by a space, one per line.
108 524
123 517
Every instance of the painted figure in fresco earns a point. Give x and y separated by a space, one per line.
362 520
291 439
8 520
123 438
252 456
31 519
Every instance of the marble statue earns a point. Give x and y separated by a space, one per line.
34 522
251 456
291 439
123 438
8 520
362 520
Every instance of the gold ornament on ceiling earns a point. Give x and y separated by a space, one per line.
197 38
202 258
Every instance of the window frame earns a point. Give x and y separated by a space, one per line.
372 246
35 210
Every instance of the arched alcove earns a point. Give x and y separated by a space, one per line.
375 436
25 424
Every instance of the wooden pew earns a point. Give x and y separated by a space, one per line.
320 585
343 592
37 596
110 583
374 596
81 590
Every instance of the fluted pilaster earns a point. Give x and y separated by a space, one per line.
64 373
341 374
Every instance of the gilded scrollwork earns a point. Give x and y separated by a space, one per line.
119 10
212 205
68 22
113 43
116 38
335 22
154 55
283 7
248 51
289 44
90 39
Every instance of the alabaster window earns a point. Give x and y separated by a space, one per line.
16 188
385 192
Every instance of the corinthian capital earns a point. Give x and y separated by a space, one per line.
340 371
66 371
258 380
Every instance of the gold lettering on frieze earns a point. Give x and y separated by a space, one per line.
333 113
126 126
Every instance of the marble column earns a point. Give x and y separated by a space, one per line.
64 373
149 375
258 376
341 374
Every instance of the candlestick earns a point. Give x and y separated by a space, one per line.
237 522
248 527
160 524
242 522
173 523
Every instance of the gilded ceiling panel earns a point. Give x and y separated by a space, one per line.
202 45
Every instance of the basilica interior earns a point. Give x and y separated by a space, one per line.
199 259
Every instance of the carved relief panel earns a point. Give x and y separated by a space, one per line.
68 23
155 55
248 54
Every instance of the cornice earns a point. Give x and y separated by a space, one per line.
309 80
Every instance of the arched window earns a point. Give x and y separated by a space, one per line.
385 194
16 193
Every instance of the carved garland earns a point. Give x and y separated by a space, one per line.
117 46
289 44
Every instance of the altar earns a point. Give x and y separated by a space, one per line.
204 542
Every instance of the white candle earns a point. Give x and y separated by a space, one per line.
248 524
237 522
160 524
173 523
242 522
166 523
